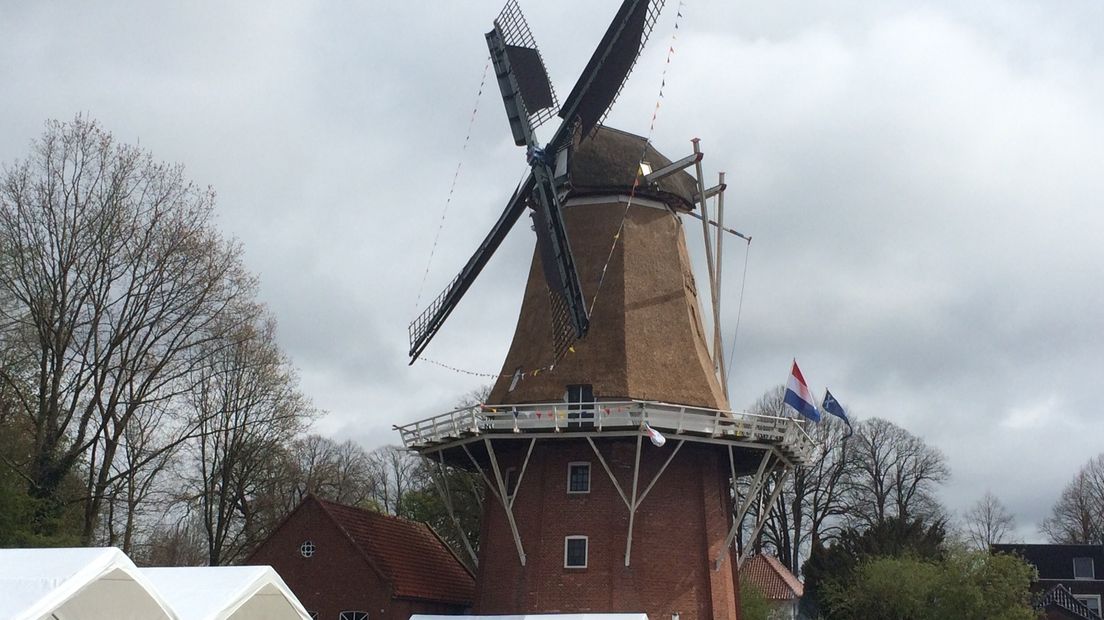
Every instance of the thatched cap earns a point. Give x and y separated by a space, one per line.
607 161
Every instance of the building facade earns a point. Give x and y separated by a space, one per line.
346 563
1078 568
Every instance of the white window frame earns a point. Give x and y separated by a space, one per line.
589 469
352 614
1092 569
586 550
307 549
1082 597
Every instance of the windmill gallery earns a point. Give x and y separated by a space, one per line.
582 514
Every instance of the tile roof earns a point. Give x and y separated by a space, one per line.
410 556
768 575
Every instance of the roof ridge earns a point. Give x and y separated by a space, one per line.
371 512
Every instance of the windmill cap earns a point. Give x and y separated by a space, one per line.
608 161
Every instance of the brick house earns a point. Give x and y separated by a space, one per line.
777 584
1078 568
345 563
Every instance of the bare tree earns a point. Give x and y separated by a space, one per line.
895 474
1077 517
249 407
339 472
807 510
397 472
988 523
113 279
137 495
179 543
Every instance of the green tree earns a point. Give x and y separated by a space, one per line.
966 585
460 529
890 538
753 604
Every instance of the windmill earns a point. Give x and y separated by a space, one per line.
531 101
582 513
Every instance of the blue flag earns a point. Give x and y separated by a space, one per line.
832 406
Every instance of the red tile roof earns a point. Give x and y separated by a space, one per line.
410 556
768 575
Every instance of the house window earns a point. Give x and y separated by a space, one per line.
578 477
1083 568
514 380
1092 601
306 549
353 615
575 552
580 406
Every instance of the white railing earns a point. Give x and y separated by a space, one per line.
786 433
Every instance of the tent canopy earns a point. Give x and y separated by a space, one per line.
85 583
226 593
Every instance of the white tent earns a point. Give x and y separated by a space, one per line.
226 593
72 584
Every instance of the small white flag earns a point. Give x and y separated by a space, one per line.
657 439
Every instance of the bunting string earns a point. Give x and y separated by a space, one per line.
615 241
452 187
643 156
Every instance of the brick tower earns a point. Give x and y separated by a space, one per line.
583 513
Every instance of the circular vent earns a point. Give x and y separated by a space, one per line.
306 549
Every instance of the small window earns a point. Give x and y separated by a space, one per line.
1092 601
306 549
1083 568
578 477
575 552
353 615
514 380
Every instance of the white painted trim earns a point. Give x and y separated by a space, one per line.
615 199
589 469
586 550
1080 599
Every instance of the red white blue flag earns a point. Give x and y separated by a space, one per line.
799 397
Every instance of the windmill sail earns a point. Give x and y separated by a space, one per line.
425 326
530 100
611 63
522 77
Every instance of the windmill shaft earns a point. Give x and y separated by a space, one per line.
520 126
560 272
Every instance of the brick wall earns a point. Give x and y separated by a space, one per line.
678 530
337 577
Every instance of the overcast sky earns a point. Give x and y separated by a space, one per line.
923 185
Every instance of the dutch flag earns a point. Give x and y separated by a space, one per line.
799 397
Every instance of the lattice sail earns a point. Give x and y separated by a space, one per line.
537 96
